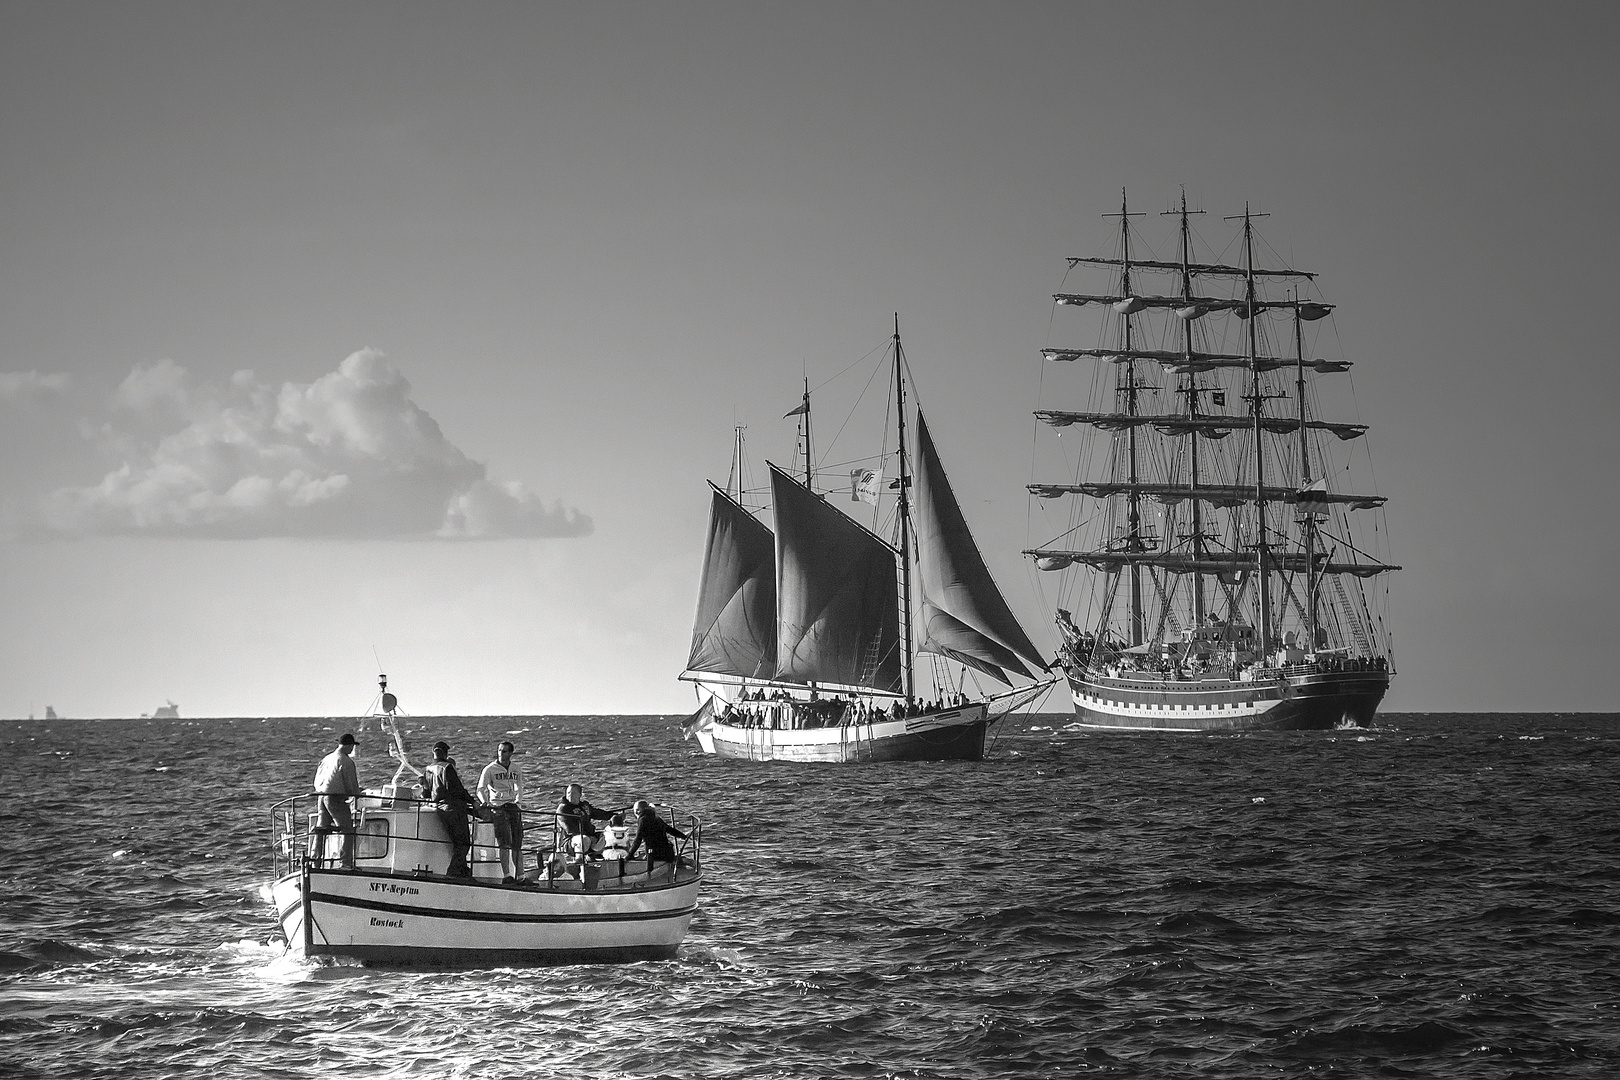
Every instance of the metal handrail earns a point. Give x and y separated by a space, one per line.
293 841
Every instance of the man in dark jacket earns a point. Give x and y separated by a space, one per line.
576 817
655 832
452 800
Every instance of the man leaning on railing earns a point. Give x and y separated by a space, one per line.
453 803
337 782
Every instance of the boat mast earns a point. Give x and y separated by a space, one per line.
905 516
736 466
1308 515
1133 517
804 425
1262 562
1192 411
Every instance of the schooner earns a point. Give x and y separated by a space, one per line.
805 643
1208 539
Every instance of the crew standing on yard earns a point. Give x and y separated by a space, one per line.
500 787
336 782
449 795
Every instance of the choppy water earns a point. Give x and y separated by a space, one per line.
1436 898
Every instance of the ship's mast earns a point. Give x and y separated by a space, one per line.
1308 509
905 515
1257 402
736 466
804 427
1192 412
1133 517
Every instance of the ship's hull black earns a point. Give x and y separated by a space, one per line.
1301 701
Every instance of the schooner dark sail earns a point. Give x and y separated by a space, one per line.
1221 585
735 630
829 674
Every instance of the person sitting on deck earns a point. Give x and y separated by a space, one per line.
655 832
453 802
576 817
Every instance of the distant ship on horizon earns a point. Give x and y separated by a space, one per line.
171 711
1219 566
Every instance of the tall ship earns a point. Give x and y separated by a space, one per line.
1216 559
807 637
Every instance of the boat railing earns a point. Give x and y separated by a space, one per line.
297 838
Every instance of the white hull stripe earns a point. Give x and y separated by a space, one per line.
499 916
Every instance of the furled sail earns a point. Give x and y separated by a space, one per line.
838 606
964 616
735 629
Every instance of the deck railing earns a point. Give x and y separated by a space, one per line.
297 839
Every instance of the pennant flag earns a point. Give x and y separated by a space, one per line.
800 411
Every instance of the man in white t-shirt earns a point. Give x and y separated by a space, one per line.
500 787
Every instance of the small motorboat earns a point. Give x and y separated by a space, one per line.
397 906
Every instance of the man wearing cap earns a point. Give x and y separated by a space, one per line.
336 782
450 795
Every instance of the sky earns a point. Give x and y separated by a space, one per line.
345 336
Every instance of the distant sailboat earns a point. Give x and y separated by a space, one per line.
805 639
50 713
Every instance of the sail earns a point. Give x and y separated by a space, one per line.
964 615
838 602
735 629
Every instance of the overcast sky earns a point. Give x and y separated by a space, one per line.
338 334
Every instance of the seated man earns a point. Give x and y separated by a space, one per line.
655 832
576 818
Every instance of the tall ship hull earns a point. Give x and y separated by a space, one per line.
807 635
1306 701
1226 572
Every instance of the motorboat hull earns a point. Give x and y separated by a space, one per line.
379 918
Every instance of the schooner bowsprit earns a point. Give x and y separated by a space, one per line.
805 640
1209 542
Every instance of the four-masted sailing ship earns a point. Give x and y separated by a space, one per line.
1209 543
805 640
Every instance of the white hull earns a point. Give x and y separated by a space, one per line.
951 734
382 918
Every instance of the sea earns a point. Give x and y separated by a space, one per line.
1437 896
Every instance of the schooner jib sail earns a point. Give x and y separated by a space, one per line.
804 646
1211 542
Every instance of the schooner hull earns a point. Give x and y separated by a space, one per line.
952 735
1310 701
380 919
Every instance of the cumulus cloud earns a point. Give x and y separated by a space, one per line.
18 385
349 455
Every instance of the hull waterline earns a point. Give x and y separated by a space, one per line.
952 735
1306 702
389 920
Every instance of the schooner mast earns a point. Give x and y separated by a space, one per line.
903 511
